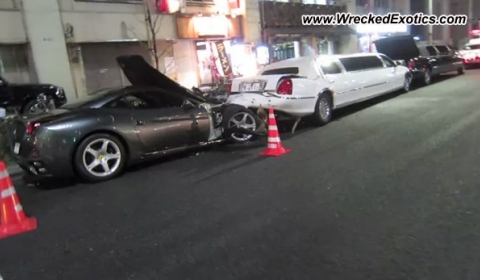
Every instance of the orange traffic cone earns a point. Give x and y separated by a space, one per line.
274 144
13 220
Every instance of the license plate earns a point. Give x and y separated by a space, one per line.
16 148
252 87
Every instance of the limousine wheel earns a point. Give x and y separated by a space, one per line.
427 77
407 83
323 110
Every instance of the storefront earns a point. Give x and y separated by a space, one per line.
218 45
368 33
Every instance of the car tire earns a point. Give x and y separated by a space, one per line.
236 115
91 151
26 110
323 110
461 70
427 77
407 83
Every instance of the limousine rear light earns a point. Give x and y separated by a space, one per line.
285 87
411 64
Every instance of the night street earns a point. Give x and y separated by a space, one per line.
389 190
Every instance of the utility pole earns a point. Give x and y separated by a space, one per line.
430 27
470 14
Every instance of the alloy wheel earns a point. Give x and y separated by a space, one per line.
324 109
242 120
101 157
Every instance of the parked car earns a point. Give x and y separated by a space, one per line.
424 60
471 53
315 86
97 137
30 99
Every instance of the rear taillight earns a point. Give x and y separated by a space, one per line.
285 87
31 127
411 64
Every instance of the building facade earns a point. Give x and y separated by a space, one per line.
455 35
74 43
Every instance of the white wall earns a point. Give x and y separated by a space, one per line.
48 45
251 21
11 27
100 22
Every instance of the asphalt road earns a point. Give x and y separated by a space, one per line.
389 190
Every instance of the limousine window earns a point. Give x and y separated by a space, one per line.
431 50
443 50
388 62
472 47
282 71
329 67
361 63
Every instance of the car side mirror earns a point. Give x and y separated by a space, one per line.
3 113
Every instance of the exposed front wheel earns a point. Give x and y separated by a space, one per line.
99 157
461 70
323 110
243 119
427 77
407 83
34 107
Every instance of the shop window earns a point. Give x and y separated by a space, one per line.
361 63
282 71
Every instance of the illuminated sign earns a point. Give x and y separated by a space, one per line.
382 28
222 56
211 26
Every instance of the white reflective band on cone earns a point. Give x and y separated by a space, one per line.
273 139
8 192
271 116
272 127
3 174
18 208
272 146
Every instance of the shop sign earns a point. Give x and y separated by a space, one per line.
211 26
167 6
234 4
222 56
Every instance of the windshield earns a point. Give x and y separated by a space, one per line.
90 99
472 47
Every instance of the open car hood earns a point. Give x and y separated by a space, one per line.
140 73
398 47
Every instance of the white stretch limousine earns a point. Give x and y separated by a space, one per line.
314 86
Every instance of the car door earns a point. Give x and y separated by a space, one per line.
446 59
434 60
333 72
394 78
163 121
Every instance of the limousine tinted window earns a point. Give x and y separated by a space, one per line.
361 63
282 71
443 50
431 50
329 68
388 62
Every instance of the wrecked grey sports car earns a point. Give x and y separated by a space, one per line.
98 137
